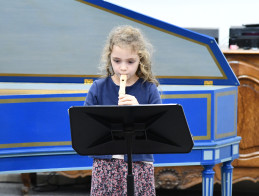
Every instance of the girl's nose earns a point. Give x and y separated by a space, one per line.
123 66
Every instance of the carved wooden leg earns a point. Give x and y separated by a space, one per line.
226 179
207 180
26 182
28 179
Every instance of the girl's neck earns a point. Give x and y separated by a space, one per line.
129 82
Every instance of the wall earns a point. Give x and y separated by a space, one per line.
221 14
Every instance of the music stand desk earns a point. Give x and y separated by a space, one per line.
139 129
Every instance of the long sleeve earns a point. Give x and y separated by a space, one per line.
91 98
154 97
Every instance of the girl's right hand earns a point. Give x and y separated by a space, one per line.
127 100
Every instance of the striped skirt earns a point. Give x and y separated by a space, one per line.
109 177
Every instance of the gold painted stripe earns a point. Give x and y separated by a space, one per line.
35 144
168 96
33 91
218 136
48 75
98 76
208 97
56 99
191 77
217 63
162 30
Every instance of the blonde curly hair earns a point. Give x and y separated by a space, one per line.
128 36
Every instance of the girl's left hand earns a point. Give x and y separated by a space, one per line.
127 100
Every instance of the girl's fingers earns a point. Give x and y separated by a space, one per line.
127 100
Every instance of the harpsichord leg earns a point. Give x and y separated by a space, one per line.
207 180
226 178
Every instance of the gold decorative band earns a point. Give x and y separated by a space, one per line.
208 97
35 144
233 132
48 75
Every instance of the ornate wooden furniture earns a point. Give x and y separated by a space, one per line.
245 64
192 71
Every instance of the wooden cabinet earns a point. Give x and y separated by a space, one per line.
245 64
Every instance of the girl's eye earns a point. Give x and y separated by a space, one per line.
116 60
130 62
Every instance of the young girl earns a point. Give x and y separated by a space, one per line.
126 53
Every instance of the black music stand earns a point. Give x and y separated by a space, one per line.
141 129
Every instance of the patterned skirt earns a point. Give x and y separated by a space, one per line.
109 177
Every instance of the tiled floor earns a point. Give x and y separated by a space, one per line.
60 186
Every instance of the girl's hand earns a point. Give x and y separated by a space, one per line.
127 100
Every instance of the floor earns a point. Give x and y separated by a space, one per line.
48 185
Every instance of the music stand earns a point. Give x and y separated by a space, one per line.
140 129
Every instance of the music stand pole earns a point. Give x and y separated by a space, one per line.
130 177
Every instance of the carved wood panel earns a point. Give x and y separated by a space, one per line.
246 68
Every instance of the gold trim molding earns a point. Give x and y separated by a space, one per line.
35 144
232 133
208 97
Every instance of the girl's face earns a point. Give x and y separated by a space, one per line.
124 62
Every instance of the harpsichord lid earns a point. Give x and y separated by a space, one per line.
181 56
63 42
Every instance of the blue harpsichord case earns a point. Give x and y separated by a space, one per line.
59 61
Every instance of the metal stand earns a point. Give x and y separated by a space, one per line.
130 177
142 129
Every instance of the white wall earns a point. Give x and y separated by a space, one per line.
221 14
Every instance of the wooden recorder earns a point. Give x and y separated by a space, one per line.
123 80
